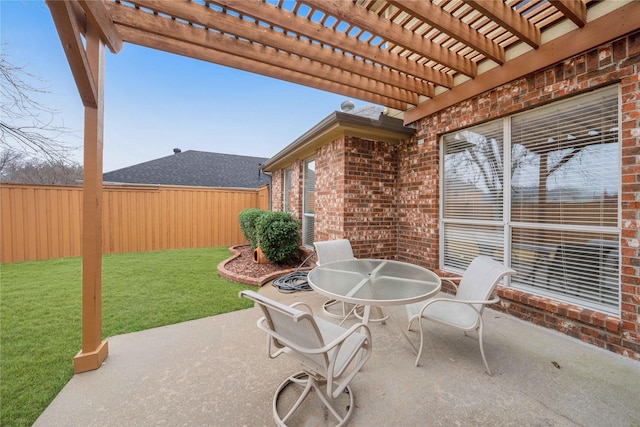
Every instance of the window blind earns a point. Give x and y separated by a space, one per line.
464 242
564 200
565 162
569 265
562 204
474 177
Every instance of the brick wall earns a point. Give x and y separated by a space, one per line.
418 195
330 189
355 195
418 177
370 210
277 190
297 185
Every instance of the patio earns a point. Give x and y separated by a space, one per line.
214 371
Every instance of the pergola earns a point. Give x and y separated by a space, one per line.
413 57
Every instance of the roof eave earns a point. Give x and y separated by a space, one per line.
333 126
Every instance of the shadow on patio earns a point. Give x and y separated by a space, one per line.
215 371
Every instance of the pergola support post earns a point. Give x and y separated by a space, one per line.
94 349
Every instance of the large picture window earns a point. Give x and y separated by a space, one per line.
539 191
308 212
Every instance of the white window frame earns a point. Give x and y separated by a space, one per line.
507 251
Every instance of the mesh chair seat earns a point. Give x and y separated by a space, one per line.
464 311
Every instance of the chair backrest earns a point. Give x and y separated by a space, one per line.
480 279
333 250
291 328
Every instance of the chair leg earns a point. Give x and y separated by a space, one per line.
411 323
296 378
346 310
310 382
421 341
484 359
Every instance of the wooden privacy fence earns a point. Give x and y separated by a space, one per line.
43 222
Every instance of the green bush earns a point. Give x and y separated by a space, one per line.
278 235
248 219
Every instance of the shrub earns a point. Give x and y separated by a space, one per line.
278 235
248 219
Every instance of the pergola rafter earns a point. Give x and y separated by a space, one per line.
439 19
275 48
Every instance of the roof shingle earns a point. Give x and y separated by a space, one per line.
195 168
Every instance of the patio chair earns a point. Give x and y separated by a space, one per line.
328 352
464 311
329 251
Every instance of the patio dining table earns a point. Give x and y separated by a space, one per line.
375 283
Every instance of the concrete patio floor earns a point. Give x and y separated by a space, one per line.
215 372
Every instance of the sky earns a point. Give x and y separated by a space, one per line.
156 101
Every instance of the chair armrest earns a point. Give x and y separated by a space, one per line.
348 332
304 306
337 342
451 281
364 349
493 300
319 350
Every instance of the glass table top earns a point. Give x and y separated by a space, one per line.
374 281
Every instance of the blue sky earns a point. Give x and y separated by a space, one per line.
155 101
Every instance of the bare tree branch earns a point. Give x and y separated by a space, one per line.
26 125
14 168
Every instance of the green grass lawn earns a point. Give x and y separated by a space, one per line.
40 314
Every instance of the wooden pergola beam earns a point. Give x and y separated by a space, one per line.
347 11
198 43
575 10
315 31
70 23
509 19
159 42
98 14
391 84
455 28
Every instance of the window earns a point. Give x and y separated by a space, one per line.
286 193
540 190
308 202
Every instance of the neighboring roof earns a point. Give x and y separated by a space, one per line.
195 168
367 122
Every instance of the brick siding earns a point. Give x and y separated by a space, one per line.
355 195
277 190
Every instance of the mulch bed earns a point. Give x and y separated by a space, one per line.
241 267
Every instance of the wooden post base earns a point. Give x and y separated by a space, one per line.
92 360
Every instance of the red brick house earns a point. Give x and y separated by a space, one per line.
541 172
